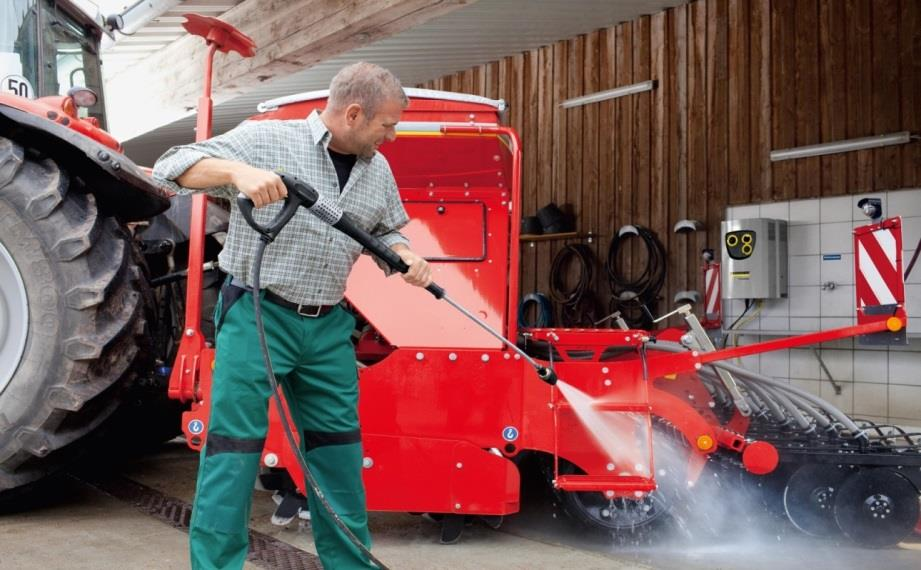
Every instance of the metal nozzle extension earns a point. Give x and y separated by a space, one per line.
547 375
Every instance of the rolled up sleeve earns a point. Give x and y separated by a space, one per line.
237 144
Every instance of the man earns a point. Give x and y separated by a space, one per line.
303 279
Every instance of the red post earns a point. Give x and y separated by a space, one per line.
184 382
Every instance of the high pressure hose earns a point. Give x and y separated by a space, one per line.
289 433
303 195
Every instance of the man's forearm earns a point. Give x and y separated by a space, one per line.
209 172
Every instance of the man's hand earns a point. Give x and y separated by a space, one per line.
420 273
260 186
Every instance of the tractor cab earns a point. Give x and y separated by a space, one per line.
49 50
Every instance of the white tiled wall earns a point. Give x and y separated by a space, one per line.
881 383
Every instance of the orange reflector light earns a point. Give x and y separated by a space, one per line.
704 442
894 324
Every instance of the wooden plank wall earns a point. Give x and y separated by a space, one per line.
736 78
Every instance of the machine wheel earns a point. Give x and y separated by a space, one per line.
624 516
877 507
809 498
617 515
72 322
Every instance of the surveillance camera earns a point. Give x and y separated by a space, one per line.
871 207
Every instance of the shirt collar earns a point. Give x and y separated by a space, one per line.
321 135
318 129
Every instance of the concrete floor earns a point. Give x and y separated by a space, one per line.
76 526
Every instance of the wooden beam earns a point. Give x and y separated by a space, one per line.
290 36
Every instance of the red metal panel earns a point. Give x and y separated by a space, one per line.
471 396
480 286
423 474
447 231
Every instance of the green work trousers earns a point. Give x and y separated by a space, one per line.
314 360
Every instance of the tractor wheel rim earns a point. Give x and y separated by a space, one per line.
14 317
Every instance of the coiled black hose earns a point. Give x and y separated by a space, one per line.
577 301
636 298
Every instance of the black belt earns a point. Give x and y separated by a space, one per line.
312 311
302 310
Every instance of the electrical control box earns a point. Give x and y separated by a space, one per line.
754 258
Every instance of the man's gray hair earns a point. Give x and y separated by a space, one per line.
368 85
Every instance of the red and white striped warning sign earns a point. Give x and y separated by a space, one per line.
712 285
878 266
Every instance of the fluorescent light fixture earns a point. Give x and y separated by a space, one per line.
848 145
610 94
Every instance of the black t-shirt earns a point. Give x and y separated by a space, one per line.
343 164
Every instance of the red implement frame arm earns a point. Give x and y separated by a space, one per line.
193 361
626 387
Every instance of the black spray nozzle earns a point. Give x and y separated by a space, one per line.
547 375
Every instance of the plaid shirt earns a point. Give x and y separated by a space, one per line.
310 261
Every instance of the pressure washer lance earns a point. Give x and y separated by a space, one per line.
301 194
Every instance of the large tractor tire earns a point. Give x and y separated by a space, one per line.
72 318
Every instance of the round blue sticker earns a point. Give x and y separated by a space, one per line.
196 427
510 433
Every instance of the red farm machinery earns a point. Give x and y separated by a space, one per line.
106 284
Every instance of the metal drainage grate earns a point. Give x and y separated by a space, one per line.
264 551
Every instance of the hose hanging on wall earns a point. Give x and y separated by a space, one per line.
543 308
579 307
630 296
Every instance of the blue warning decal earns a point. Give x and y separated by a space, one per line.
196 427
510 433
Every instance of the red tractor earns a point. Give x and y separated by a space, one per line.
78 318
105 284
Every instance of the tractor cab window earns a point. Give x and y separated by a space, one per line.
19 47
71 58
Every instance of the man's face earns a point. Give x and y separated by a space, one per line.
369 134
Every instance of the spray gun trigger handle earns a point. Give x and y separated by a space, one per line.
270 232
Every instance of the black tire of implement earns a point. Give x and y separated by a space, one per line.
86 300
671 496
